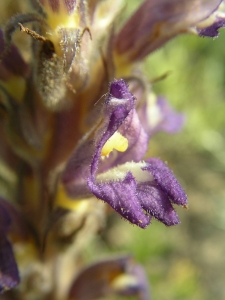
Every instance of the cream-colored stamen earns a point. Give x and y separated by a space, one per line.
117 142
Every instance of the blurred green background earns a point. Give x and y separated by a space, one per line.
185 261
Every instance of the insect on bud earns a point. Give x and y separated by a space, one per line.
53 67
50 80
54 63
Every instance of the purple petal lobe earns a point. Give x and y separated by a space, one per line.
118 89
121 196
166 180
148 187
156 202
212 30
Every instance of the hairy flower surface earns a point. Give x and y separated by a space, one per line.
77 116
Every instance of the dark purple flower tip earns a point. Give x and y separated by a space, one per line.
119 89
115 276
166 181
213 29
58 6
9 274
121 196
157 203
118 103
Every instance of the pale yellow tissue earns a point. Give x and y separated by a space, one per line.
120 172
117 142
64 201
207 22
102 15
123 281
60 20
123 65
153 111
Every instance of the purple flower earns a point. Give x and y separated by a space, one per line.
134 188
